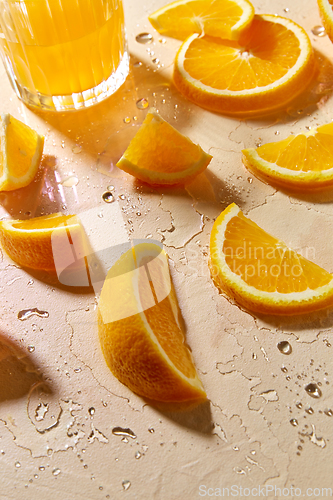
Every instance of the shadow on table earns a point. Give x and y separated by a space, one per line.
18 373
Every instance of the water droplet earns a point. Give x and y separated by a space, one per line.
56 472
144 38
122 196
70 181
284 347
151 430
294 422
138 455
100 215
127 119
120 431
254 356
309 410
299 405
277 133
288 378
31 348
77 370
107 197
30 282
27 313
17 465
284 369
110 188
286 9
142 103
249 180
41 467
91 411
138 214
126 484
77 149
156 60
313 390
318 31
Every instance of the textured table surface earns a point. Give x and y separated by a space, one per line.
60 406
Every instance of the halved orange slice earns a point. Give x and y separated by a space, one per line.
326 13
220 18
301 162
260 272
140 331
160 155
21 150
271 63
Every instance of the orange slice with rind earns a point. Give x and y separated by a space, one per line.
261 273
220 18
160 155
265 69
29 242
140 329
299 162
21 150
326 14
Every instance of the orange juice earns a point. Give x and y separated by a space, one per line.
64 47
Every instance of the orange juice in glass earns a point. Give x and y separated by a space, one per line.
63 54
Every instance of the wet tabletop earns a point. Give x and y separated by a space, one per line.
68 428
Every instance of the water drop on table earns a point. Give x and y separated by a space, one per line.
151 430
144 38
249 180
127 119
110 188
126 484
56 472
31 348
17 465
76 149
137 455
156 60
294 422
329 413
70 181
284 347
107 197
27 313
313 390
309 410
284 369
142 103
318 31
120 431
91 411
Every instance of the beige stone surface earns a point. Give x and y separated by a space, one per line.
60 406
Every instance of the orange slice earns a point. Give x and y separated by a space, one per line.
220 18
261 273
29 242
326 13
271 63
160 155
21 149
302 162
140 328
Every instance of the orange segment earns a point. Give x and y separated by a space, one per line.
159 154
260 272
28 242
140 329
271 63
21 152
303 161
326 13
220 18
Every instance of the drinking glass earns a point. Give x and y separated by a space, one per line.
63 54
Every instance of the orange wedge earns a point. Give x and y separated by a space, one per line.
261 273
20 155
29 242
220 18
160 155
301 162
326 13
140 328
271 63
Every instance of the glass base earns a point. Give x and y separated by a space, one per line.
73 101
